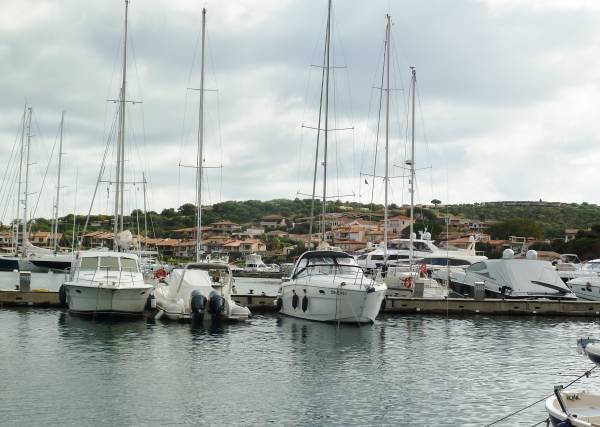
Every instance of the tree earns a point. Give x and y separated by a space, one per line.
436 202
187 209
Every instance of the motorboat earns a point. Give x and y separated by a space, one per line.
41 260
587 288
329 286
410 279
105 282
577 408
199 291
586 269
509 278
255 264
424 248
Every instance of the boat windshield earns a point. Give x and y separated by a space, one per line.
592 265
327 265
128 264
89 263
109 263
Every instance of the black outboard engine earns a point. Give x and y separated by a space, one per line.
216 304
198 303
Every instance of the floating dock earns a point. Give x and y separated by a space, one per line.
259 303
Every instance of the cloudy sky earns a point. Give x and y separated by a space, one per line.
507 95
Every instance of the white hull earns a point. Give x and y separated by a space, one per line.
107 299
327 304
584 408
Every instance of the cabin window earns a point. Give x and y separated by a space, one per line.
109 263
362 257
89 263
376 257
128 264
420 246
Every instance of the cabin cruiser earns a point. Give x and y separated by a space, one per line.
509 278
399 249
587 269
255 264
578 408
329 286
105 282
411 279
586 287
198 291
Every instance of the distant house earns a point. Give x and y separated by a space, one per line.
245 246
188 232
398 223
272 221
250 233
225 226
570 234
98 238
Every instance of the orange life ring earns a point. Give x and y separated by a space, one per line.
161 273
407 282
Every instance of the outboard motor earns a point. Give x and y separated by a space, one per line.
198 303
216 304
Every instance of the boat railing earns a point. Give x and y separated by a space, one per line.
336 270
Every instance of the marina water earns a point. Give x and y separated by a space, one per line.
410 370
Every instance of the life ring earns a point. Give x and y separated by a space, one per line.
407 282
423 270
161 273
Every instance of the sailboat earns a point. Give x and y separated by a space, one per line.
328 285
110 282
200 290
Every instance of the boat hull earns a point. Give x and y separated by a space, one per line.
583 407
104 300
327 304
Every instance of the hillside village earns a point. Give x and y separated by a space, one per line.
279 237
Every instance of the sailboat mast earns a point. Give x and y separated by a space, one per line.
26 193
60 153
145 211
16 229
412 162
387 132
326 129
118 226
200 146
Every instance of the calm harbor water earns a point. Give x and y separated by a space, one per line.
58 369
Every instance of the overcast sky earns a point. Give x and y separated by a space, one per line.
508 97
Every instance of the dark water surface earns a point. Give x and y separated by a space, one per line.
60 370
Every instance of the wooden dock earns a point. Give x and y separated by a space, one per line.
393 305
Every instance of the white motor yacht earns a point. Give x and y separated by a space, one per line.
406 279
509 278
587 288
105 283
199 291
400 249
255 264
329 286
589 268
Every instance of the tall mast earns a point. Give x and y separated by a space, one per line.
387 131
118 226
326 129
412 162
16 229
60 153
200 147
145 211
26 193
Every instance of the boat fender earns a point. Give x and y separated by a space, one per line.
198 303
152 302
216 304
279 303
565 423
383 302
62 295
370 289
304 303
295 300
407 282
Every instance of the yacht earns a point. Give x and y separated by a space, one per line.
329 286
509 278
254 263
425 249
576 408
105 282
197 292
589 268
586 287
205 286
408 279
